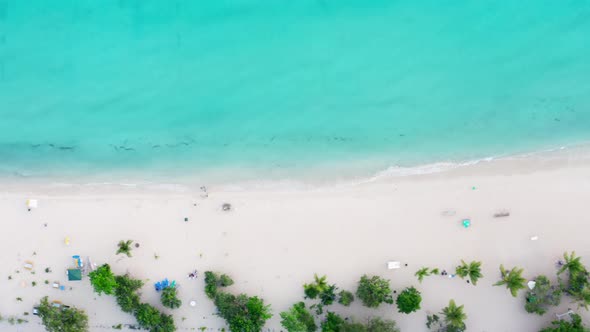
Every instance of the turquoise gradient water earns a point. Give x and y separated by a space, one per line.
146 85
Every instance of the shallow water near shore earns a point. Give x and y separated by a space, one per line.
276 88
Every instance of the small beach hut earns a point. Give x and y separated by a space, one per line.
74 274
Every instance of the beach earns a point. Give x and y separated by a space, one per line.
273 240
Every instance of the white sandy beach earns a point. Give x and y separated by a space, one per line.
273 241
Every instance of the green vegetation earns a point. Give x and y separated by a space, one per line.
103 280
408 300
124 247
423 272
577 285
126 293
335 323
125 290
242 312
513 280
332 323
298 319
452 320
471 270
60 319
214 281
320 289
575 325
345 298
152 319
170 298
542 296
373 291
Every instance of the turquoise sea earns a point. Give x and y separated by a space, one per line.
281 86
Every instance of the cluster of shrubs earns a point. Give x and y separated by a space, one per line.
125 289
242 313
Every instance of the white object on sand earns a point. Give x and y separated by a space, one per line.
193 303
393 265
32 204
534 238
531 284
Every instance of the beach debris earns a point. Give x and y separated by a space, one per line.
449 213
136 245
534 238
531 284
393 265
32 204
204 193
19 299
226 206
28 265
560 316
466 223
193 275
501 214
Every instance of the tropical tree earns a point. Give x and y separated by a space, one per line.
213 281
423 272
332 323
147 316
573 264
169 298
408 300
542 296
471 270
242 313
124 247
575 325
513 280
454 317
373 291
126 293
377 324
103 280
578 284
61 319
320 288
345 298
314 289
298 319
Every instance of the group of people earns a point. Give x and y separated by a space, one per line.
192 275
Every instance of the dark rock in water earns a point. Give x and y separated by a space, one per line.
226 207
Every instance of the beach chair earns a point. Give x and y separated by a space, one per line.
391 265
32 204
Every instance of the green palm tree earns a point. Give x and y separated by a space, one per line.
169 298
513 279
124 247
435 271
423 272
572 264
471 270
454 316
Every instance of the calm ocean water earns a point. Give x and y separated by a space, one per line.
168 86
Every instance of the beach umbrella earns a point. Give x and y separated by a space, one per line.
466 223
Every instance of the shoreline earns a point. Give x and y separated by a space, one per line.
320 178
274 240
